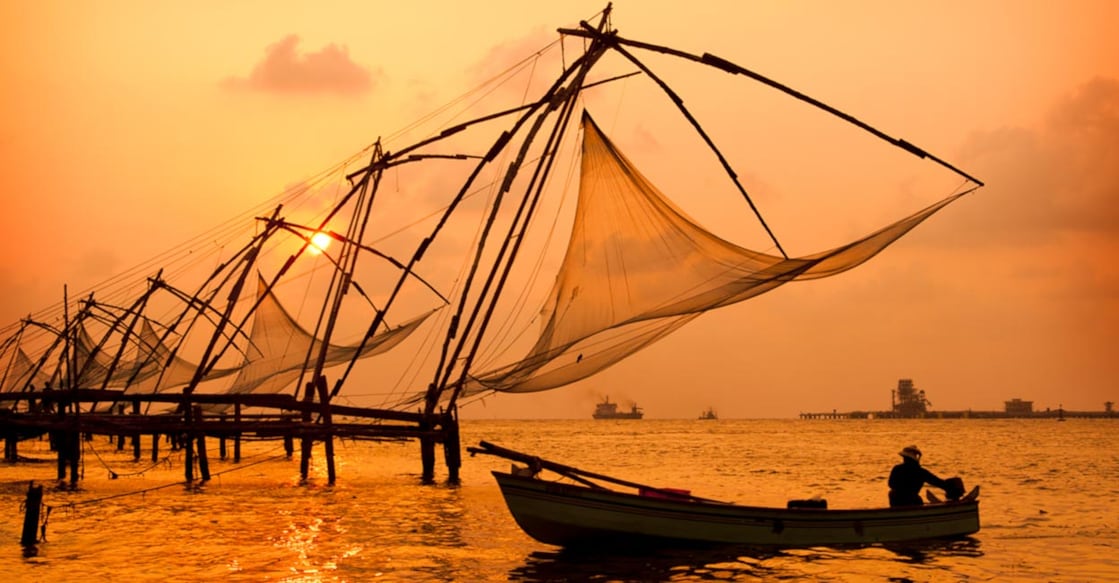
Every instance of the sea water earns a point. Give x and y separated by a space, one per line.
1049 505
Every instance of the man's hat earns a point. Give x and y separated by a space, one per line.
912 453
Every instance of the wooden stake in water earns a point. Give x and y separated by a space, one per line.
32 505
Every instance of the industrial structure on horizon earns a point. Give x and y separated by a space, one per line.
909 402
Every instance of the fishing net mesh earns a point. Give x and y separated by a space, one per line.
637 268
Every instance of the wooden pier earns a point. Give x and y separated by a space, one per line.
189 420
968 414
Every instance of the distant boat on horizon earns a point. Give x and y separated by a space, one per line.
608 410
709 414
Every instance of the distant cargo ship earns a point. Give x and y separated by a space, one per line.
608 410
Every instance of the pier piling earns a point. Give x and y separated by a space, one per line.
32 508
452 449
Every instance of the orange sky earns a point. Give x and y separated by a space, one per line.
127 127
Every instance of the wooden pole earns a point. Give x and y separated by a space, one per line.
60 441
427 451
328 440
61 444
136 436
306 442
188 463
237 435
452 449
33 506
536 464
11 448
203 460
155 447
221 440
75 455
120 437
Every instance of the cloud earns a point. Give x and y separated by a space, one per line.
286 70
1048 222
510 55
1057 180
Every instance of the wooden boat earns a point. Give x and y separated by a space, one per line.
709 414
586 513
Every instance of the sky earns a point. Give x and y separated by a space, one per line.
127 127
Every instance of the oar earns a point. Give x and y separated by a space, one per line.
572 472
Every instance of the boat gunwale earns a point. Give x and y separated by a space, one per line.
717 509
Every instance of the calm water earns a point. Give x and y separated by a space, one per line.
1049 511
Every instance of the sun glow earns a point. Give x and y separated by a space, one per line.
319 242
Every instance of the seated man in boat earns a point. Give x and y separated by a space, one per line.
907 478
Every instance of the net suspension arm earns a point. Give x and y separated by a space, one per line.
202 304
612 40
206 363
135 312
402 156
296 230
59 340
10 343
729 67
498 146
516 234
382 163
342 278
563 92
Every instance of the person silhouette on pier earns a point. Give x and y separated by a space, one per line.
907 478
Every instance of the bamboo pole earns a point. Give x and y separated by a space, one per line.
188 461
203 459
306 442
237 435
221 439
328 440
537 464
75 439
136 436
32 508
427 452
452 448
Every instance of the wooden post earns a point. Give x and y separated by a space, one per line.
11 448
306 442
427 451
61 440
33 505
221 439
75 456
188 461
328 440
237 435
136 436
452 449
155 447
203 460
120 437
61 445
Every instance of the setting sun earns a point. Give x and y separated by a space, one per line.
319 242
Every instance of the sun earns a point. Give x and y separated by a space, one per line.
319 242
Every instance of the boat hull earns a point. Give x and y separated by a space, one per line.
570 515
